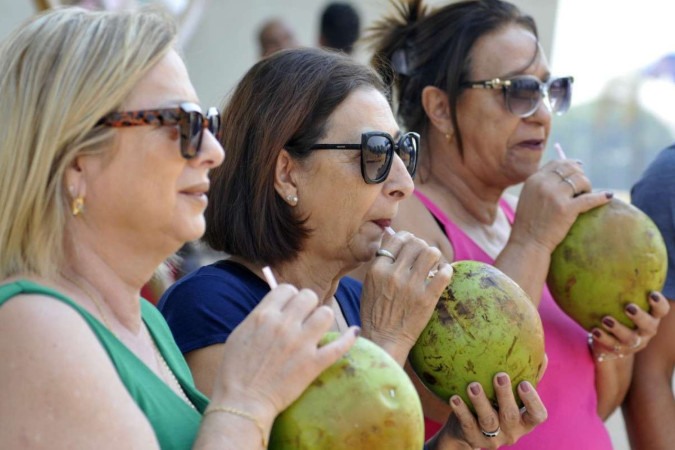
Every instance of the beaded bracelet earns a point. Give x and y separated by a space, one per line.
236 412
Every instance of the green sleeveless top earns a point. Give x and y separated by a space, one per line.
175 423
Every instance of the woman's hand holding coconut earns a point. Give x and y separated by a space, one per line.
398 296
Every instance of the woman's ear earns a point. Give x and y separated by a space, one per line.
285 178
74 179
437 108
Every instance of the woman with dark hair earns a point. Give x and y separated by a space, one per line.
314 172
472 78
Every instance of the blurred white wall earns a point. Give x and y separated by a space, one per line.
224 45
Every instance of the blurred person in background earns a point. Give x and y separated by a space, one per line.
275 35
649 409
340 27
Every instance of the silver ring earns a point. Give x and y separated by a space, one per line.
637 343
491 434
571 183
386 253
558 172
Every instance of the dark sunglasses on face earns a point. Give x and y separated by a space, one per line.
187 116
377 153
523 94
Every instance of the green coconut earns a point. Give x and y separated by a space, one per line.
612 255
363 401
484 323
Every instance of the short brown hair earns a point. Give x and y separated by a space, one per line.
283 102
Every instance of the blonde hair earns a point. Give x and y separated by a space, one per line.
59 74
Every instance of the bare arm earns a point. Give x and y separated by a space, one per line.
649 409
60 390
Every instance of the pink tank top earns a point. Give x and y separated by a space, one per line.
568 386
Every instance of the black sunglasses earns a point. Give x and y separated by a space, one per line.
377 153
187 116
523 94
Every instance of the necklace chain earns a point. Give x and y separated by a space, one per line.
161 362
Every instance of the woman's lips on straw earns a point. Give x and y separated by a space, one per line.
382 223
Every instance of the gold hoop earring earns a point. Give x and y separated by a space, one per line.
77 206
292 199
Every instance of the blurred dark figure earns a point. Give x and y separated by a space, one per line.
275 35
340 27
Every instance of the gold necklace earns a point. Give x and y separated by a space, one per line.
161 362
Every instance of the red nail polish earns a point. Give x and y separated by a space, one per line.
357 331
631 309
609 323
474 388
597 333
655 298
609 194
456 401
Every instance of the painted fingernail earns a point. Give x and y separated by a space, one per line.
609 323
475 388
654 296
525 386
631 309
502 379
357 331
597 333
609 194
456 401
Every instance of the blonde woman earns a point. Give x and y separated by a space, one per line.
104 162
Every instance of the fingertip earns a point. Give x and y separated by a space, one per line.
524 387
501 379
455 401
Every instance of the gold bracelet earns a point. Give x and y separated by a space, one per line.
244 414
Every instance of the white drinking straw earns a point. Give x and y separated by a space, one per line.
390 231
558 148
269 276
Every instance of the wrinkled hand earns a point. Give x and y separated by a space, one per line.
548 205
509 423
398 296
273 355
615 340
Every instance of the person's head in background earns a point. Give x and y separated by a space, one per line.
275 35
340 27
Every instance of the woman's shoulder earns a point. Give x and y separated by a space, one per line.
55 353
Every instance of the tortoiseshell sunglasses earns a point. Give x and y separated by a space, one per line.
187 116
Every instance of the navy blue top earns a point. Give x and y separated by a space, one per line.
204 307
655 195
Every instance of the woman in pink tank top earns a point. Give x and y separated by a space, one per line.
472 78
